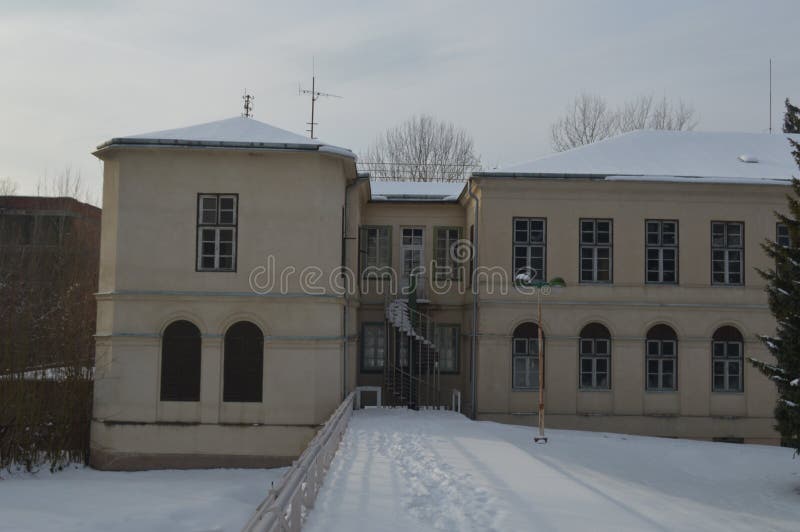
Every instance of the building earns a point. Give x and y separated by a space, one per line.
250 277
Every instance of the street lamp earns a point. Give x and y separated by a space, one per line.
527 279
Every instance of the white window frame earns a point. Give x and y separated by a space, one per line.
655 242
449 349
593 356
726 359
526 351
411 247
724 252
373 348
591 247
446 266
529 248
377 248
216 226
659 358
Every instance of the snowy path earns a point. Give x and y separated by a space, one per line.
85 500
403 470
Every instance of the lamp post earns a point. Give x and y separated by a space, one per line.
527 278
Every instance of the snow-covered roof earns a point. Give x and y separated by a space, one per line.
383 190
673 156
236 132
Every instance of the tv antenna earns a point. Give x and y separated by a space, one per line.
248 104
770 95
315 95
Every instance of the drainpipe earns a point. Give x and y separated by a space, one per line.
473 285
345 218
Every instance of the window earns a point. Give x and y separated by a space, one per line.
595 358
662 251
217 219
662 358
243 368
376 249
727 247
530 247
596 245
727 357
782 235
447 341
448 263
525 357
373 347
180 362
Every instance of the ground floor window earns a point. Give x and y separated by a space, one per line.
525 357
727 354
595 357
447 340
180 362
662 358
243 366
373 347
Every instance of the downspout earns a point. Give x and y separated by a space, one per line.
474 286
345 218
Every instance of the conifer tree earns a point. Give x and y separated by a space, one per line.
791 120
783 290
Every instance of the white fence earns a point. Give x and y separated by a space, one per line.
293 496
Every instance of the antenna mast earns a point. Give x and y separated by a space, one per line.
770 95
248 105
315 94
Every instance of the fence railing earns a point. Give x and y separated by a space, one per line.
288 501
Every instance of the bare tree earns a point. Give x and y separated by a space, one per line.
422 149
589 119
8 187
66 184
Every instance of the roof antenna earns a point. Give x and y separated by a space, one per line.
248 104
770 95
315 94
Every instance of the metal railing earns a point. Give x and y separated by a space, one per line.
288 501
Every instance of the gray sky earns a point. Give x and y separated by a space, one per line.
77 73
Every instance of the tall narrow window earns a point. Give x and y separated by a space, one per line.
782 235
662 251
727 357
447 341
412 257
595 357
217 219
243 368
373 347
530 247
376 249
448 263
180 362
727 253
525 357
596 246
662 358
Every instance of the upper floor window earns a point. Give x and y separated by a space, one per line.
375 248
530 247
373 346
662 251
596 246
727 253
782 235
447 341
217 219
525 357
595 357
448 262
727 357
662 358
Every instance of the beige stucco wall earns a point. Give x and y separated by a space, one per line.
290 207
628 307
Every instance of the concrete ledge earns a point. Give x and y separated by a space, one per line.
121 461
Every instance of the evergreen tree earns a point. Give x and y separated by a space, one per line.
791 120
783 290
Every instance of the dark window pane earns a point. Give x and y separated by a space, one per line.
243 367
180 362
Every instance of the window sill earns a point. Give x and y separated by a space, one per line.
525 390
724 392
659 392
594 390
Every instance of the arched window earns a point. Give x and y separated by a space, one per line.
662 358
243 368
595 357
525 357
180 362
727 353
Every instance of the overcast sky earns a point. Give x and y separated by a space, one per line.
74 74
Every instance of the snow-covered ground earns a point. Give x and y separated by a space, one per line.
85 500
400 470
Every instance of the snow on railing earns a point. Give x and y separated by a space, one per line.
288 502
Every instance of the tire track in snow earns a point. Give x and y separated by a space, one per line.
438 493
